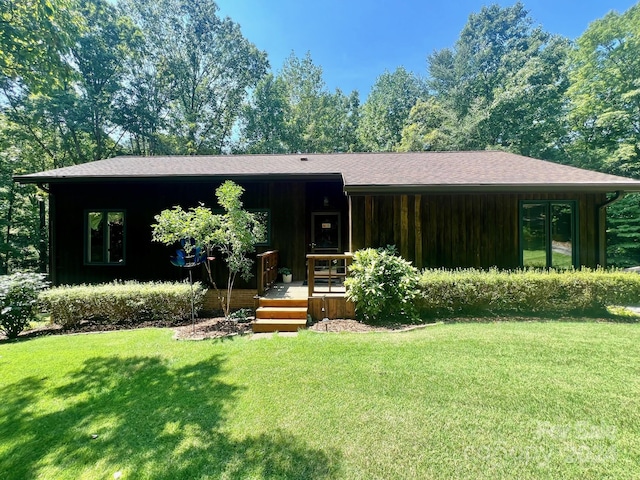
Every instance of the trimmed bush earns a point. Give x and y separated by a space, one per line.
130 302
469 292
382 285
18 299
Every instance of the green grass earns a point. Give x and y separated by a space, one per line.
492 400
538 259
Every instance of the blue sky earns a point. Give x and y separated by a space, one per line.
354 41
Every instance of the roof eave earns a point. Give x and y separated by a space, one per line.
493 188
28 179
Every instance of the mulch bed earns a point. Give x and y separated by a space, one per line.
208 328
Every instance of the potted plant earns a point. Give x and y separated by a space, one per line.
286 274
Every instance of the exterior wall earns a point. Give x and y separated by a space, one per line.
461 230
240 298
290 205
432 230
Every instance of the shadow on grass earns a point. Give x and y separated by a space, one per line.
149 420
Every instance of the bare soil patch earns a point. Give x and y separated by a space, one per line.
354 326
217 327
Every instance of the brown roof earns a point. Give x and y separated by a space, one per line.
361 172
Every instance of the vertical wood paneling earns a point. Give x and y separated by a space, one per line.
417 220
357 223
395 221
470 230
369 222
404 226
435 230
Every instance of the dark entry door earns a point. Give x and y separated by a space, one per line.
326 235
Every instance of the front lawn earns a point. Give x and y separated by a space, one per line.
467 400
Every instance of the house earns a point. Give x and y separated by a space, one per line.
441 209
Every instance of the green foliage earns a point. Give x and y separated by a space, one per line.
207 66
502 86
18 301
294 112
623 232
383 285
387 109
605 94
234 234
130 302
468 292
34 37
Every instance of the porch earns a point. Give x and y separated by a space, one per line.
289 306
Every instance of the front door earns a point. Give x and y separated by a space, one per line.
326 234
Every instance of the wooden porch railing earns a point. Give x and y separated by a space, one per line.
267 270
327 272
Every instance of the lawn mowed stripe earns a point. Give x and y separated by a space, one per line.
494 400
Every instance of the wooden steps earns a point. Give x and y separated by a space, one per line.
280 315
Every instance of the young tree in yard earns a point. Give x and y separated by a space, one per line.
233 234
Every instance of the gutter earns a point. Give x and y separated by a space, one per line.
487 188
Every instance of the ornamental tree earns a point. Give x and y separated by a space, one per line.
233 234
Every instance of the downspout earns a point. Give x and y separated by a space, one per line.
602 224
51 253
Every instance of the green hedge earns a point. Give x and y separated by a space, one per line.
469 292
131 302
18 299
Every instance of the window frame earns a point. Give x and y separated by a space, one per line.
575 230
105 247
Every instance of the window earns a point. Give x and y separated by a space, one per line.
104 237
548 234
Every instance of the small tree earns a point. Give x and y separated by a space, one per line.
233 234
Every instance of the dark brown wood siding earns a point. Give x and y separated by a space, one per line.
461 230
290 204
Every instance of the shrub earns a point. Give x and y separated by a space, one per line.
122 302
467 292
18 299
382 285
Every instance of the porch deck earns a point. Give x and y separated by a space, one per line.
287 306
296 290
300 290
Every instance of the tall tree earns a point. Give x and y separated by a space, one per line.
294 112
430 126
605 94
99 55
263 118
34 37
504 82
605 118
209 66
387 109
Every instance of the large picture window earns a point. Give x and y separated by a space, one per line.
105 237
548 236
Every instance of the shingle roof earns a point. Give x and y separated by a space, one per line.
361 172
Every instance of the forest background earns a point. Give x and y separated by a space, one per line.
82 80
